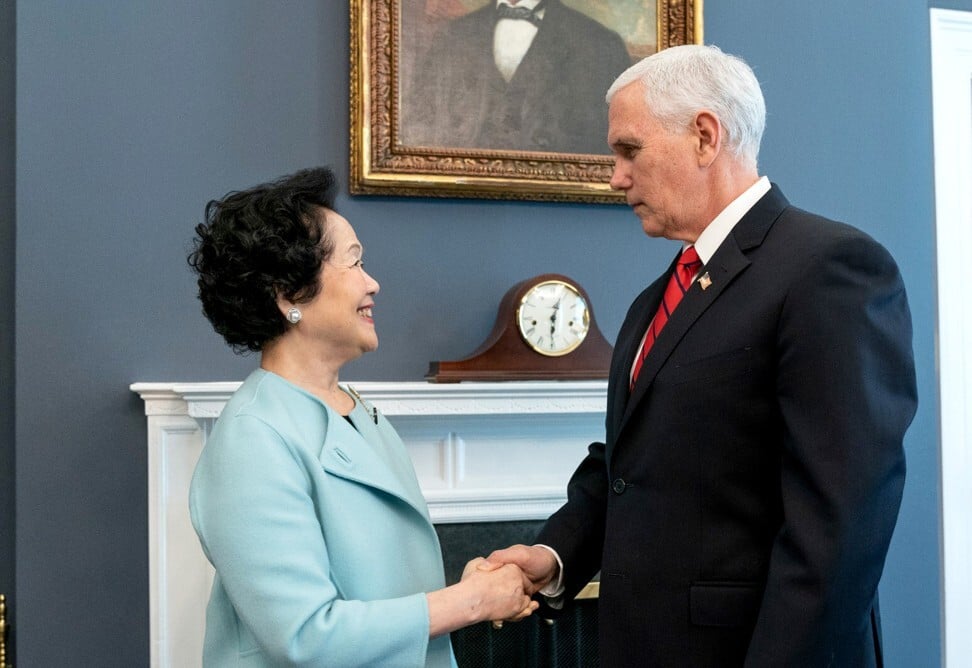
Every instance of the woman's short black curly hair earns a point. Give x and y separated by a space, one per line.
256 244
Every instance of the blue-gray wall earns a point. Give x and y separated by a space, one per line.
130 115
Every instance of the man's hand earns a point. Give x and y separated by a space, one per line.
539 565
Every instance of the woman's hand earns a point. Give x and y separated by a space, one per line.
481 595
505 589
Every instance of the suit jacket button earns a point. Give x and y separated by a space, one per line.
618 486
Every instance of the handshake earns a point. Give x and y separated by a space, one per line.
498 588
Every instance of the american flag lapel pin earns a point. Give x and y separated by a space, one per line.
705 281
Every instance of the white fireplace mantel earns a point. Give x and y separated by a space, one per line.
482 452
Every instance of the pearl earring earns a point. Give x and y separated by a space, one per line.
294 315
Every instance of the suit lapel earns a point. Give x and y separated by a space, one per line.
629 339
728 262
692 306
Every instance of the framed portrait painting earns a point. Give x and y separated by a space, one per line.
465 98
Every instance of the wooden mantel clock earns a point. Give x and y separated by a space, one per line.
544 330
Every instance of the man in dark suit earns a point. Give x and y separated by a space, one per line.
523 75
741 507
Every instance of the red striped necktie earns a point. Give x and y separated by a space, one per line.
678 284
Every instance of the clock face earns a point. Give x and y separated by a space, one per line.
553 318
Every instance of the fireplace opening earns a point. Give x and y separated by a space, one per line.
568 642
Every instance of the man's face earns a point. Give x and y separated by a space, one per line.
657 170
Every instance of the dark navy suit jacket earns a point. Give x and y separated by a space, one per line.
742 505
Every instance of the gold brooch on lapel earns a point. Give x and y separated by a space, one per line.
371 410
705 281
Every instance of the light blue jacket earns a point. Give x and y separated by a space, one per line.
319 534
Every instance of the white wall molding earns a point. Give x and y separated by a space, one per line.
483 452
951 57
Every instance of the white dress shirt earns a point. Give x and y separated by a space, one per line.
512 38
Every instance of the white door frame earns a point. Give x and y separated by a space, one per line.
951 58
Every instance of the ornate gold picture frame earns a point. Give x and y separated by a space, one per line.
418 103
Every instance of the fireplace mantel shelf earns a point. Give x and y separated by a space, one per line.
206 399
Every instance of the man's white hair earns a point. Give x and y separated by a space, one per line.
680 81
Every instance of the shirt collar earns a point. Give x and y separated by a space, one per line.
717 231
529 4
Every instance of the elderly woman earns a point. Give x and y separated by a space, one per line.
304 498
